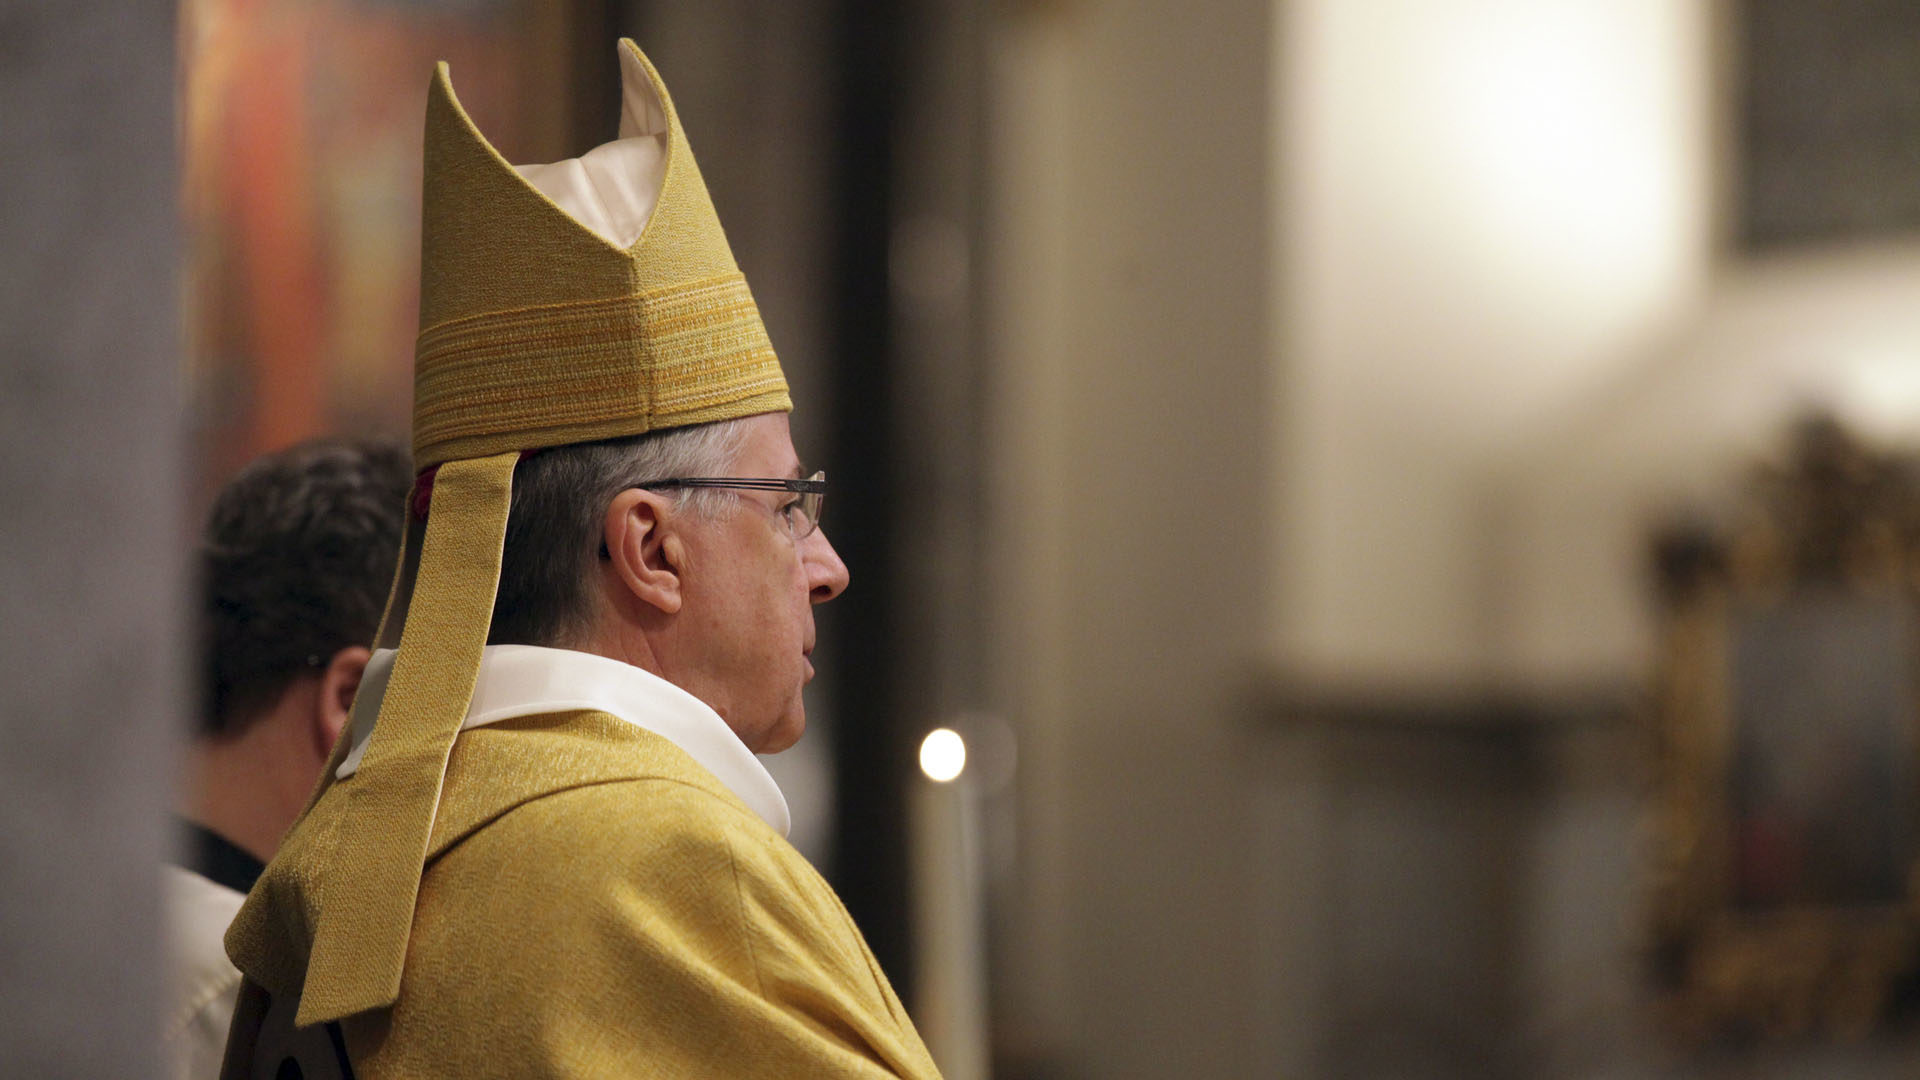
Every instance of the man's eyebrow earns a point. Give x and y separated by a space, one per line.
798 472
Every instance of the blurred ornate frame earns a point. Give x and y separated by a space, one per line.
1837 518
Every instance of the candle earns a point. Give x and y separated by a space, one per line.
949 909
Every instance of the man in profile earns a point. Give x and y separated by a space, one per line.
546 848
294 565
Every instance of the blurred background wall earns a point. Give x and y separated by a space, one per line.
1248 420
1348 355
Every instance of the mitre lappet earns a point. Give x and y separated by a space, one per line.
587 299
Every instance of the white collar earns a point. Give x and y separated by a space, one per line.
528 680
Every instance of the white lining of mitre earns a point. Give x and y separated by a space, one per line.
613 188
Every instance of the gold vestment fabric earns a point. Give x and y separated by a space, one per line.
597 904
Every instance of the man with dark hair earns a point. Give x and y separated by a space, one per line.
295 564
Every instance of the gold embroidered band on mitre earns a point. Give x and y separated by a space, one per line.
566 373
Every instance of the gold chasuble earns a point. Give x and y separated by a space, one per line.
564 893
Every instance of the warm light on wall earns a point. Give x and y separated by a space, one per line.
1485 211
1880 395
1521 185
1566 139
943 754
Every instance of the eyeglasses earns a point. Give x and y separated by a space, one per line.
802 514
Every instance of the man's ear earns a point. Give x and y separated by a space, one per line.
338 683
643 545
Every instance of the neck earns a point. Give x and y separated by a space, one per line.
248 787
620 640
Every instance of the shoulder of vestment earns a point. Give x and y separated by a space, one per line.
496 768
492 770
651 928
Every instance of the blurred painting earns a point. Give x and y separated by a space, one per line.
1785 857
1822 777
301 148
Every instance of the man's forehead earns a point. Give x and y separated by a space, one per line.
769 446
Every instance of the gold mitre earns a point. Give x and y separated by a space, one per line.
540 327
587 299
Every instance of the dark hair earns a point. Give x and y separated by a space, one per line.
295 562
554 528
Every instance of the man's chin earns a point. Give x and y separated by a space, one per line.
775 746
783 735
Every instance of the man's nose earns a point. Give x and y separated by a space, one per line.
826 574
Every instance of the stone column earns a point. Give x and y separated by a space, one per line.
90 531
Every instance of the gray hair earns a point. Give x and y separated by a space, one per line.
560 499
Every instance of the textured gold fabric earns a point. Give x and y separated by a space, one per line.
568 372
373 869
535 331
596 904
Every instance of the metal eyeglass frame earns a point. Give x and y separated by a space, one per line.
812 492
